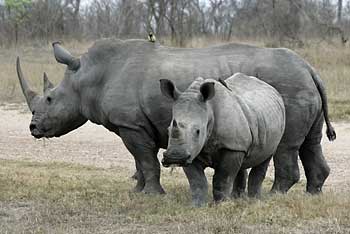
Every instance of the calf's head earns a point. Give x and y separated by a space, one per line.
57 112
191 122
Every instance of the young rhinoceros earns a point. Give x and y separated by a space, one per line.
229 125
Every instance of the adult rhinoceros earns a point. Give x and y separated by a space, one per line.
228 127
116 84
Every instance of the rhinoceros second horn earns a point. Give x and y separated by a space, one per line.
63 56
47 84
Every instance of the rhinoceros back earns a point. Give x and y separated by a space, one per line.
264 111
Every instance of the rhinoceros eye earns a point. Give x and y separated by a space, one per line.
48 100
197 132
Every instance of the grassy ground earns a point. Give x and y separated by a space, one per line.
66 198
331 61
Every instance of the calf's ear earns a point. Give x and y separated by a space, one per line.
207 90
169 89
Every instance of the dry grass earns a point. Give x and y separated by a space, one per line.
66 198
331 61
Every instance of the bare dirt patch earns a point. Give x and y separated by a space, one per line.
89 145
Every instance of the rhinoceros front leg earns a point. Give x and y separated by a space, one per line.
226 166
144 150
198 183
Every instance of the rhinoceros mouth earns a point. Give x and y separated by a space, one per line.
37 133
167 162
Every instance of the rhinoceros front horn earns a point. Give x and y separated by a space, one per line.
28 93
63 56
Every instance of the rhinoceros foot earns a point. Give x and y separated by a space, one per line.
314 190
135 175
153 189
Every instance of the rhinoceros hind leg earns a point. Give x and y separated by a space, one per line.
310 153
256 177
240 184
286 168
138 176
144 150
315 166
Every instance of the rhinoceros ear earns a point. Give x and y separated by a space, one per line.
169 89
63 56
47 84
207 90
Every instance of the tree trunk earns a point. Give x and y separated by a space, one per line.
274 23
340 8
16 33
76 26
47 21
172 21
160 22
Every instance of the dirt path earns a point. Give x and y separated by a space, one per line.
94 145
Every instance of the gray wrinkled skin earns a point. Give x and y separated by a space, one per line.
116 84
226 128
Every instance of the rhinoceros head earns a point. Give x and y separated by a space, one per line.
57 111
191 123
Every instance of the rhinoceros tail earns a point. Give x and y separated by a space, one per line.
331 135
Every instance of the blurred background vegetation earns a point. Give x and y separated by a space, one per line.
280 22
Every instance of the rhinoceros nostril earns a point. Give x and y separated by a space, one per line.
32 127
165 154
